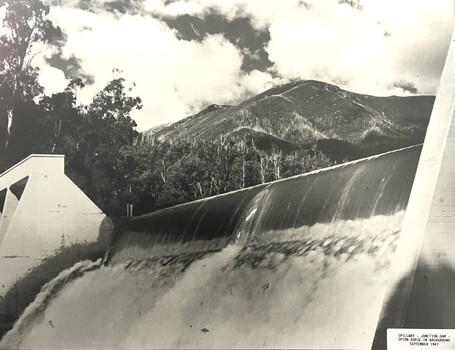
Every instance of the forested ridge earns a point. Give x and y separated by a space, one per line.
104 154
287 130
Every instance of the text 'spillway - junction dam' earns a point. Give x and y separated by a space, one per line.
327 259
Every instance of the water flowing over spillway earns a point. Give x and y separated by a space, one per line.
301 262
375 186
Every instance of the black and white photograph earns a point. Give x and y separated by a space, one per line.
227 174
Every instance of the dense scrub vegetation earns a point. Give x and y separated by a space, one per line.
161 173
104 154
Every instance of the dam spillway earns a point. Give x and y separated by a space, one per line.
378 185
300 262
248 273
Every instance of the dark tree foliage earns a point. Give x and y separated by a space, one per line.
21 138
91 138
24 25
161 173
104 154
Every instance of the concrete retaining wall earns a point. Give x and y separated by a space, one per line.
45 217
421 292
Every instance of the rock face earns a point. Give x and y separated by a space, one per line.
308 111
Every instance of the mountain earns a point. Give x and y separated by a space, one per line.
342 123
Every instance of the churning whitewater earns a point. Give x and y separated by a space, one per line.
300 262
319 285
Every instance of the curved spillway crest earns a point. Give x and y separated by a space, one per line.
309 270
378 185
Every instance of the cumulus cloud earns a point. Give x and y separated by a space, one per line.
53 79
370 46
406 86
368 50
367 44
173 77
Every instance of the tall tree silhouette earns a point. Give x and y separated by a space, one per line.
24 26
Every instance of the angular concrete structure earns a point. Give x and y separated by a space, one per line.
422 291
44 216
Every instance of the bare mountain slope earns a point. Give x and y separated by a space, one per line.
307 111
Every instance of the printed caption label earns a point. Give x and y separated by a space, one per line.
401 339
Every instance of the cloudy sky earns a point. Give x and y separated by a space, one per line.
183 55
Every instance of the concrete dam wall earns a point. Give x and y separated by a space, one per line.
329 259
375 186
301 262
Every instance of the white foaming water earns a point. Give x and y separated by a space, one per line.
319 287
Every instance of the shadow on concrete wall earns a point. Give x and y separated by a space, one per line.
432 301
20 295
431 304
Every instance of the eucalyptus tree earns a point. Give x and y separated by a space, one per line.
25 30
